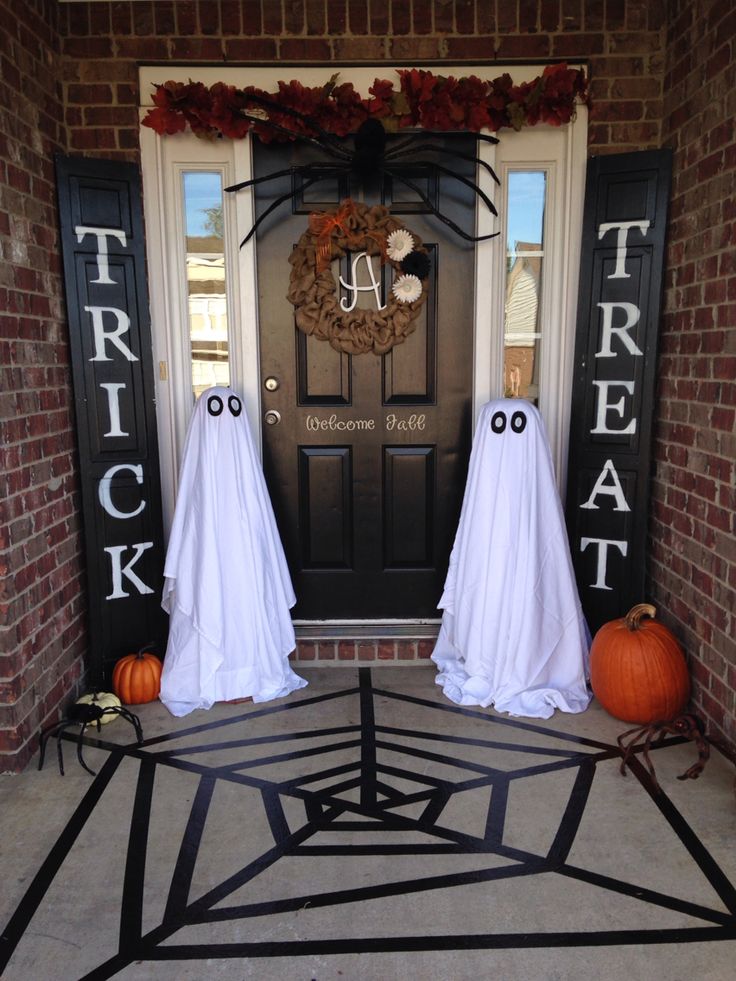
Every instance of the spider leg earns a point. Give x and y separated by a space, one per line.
58 746
79 748
463 180
302 169
395 154
645 754
327 139
694 771
129 717
275 204
44 737
628 749
438 214
340 152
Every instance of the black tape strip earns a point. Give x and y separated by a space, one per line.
275 815
257 741
484 743
483 941
402 887
35 893
368 789
181 880
692 843
298 703
650 896
131 909
563 840
496 817
495 720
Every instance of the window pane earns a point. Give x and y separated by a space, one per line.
524 262
205 260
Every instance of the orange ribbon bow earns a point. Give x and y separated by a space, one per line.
324 223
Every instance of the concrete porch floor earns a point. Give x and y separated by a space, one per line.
365 828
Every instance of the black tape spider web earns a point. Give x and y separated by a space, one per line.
364 794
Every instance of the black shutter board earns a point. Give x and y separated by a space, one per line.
114 394
615 366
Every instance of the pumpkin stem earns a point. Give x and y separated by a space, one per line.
634 616
145 649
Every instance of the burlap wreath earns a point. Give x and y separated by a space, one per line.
313 291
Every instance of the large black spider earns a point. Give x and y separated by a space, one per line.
367 159
84 714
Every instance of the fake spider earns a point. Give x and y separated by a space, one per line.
369 158
689 726
84 715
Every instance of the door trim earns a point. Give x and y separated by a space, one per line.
166 268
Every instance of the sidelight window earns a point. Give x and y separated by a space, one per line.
526 199
205 279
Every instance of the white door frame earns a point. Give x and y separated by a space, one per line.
562 151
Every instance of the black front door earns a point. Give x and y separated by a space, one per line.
366 457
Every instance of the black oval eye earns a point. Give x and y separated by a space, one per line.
498 422
215 405
235 405
518 422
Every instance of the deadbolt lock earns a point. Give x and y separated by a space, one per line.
271 384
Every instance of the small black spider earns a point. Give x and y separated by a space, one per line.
83 714
367 158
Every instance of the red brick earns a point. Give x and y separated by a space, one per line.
88 47
526 46
400 17
250 49
359 48
346 650
366 651
337 16
421 16
425 648
306 650
379 12
304 49
326 650
465 16
406 650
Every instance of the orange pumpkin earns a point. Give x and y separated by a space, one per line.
137 678
637 669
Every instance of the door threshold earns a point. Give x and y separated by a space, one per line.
359 629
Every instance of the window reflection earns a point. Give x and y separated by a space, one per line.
524 262
206 287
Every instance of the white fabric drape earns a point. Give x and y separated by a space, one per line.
227 586
513 634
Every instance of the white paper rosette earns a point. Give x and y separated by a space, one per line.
399 244
406 289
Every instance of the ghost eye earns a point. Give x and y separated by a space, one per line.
498 422
215 405
518 422
235 405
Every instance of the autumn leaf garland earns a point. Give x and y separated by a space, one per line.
423 100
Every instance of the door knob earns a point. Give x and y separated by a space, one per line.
271 384
272 417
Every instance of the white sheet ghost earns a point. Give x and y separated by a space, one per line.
513 634
227 587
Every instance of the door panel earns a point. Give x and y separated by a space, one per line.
367 463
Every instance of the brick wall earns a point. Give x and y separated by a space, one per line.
41 593
622 39
693 564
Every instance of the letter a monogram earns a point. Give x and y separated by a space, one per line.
348 305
